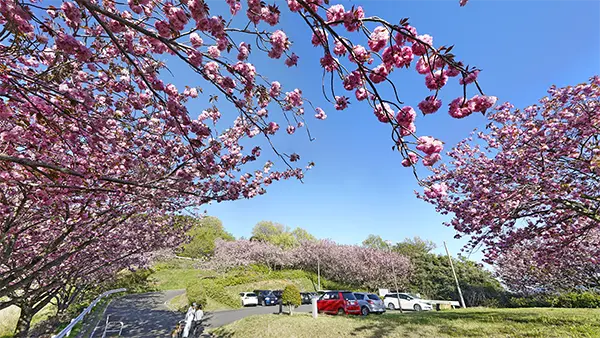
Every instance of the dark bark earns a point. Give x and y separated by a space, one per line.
24 322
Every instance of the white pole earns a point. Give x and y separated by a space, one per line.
319 273
462 301
315 311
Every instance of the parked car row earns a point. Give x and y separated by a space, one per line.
342 301
348 302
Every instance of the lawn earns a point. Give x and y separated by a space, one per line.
475 322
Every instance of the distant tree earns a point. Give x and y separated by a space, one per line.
414 247
303 235
432 275
202 235
279 234
375 242
291 297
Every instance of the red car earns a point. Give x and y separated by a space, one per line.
338 302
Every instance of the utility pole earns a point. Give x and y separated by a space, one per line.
389 245
462 300
319 272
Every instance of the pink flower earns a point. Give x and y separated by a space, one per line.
335 13
280 43
352 19
329 63
436 190
320 114
294 5
482 103
319 37
459 109
359 54
422 65
398 56
431 159
163 28
275 89
290 129
463 2
410 160
214 52
353 80
379 74
379 38
429 145
430 105
244 51
419 48
341 102
406 115
384 114
452 71
272 128
339 49
469 78
361 94
294 157
294 98
195 57
72 14
437 80
292 60
196 40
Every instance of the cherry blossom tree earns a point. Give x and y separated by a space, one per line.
530 268
533 175
92 134
350 264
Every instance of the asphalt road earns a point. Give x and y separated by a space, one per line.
146 315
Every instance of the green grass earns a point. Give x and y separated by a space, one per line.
475 322
177 274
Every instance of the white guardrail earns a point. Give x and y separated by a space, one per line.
67 330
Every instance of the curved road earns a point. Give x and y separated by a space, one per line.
147 315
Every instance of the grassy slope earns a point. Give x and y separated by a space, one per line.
177 274
10 315
476 322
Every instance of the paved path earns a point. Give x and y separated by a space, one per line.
147 316
220 318
143 315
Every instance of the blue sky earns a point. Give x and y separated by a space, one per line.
358 186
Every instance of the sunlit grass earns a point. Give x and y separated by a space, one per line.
476 322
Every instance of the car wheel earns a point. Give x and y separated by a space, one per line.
391 306
340 312
417 307
364 311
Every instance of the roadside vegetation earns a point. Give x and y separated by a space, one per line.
475 322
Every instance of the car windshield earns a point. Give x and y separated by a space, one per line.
268 294
251 295
348 296
373 297
359 296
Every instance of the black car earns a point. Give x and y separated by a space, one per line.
278 293
266 297
308 296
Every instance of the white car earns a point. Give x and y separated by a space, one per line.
249 298
407 301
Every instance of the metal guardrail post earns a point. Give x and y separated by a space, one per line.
67 330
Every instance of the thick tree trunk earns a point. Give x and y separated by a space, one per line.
291 309
24 322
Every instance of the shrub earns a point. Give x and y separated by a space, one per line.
291 297
564 300
196 294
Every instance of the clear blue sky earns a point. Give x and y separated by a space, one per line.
358 186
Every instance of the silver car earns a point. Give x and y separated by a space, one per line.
369 303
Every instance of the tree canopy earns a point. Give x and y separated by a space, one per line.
202 235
